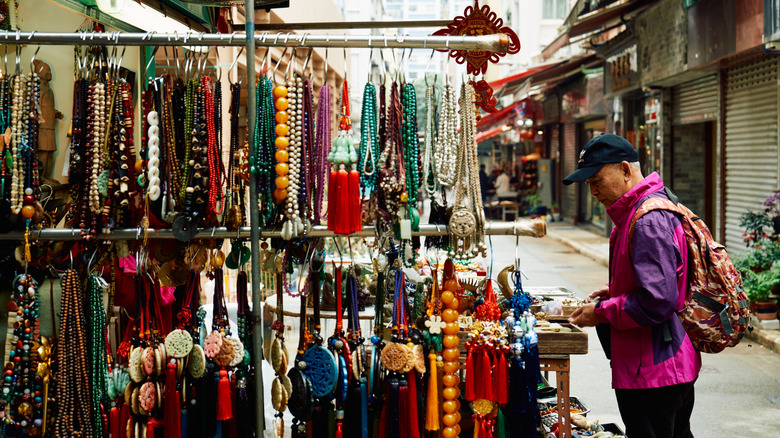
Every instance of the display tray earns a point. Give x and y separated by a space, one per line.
574 342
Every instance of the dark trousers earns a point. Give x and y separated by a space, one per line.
657 412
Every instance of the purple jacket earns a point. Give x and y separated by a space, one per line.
646 285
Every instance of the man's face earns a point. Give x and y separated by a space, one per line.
608 184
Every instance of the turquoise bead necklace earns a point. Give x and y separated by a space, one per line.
97 348
369 140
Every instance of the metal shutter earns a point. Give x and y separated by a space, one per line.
569 159
751 141
695 101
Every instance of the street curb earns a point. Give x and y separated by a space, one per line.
582 249
768 338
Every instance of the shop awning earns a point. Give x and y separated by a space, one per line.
487 135
565 69
605 17
510 84
499 116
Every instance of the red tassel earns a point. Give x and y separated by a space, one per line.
154 428
113 419
341 212
338 430
495 383
224 399
414 426
332 193
172 404
470 376
485 428
502 395
403 414
356 224
124 417
383 416
485 374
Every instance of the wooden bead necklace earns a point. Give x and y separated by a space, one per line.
172 176
73 394
20 126
235 216
213 151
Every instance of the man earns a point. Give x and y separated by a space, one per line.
502 183
654 364
484 182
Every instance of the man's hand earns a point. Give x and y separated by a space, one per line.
598 294
585 316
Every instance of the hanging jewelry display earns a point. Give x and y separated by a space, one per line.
96 323
21 399
391 180
411 148
369 140
341 352
468 217
291 183
236 174
278 357
446 150
356 403
430 165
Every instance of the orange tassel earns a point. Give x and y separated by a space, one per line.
432 408
224 398
470 377
356 224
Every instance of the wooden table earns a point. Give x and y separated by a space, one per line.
554 351
559 363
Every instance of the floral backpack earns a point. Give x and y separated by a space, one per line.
715 314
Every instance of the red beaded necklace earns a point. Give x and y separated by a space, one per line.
215 161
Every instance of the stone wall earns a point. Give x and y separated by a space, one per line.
662 41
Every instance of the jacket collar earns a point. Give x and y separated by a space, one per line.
623 208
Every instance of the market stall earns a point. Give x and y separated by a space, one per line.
157 326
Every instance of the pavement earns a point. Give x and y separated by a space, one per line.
590 244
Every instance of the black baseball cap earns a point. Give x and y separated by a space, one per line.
601 150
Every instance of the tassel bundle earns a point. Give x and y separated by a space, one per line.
172 404
114 420
224 397
500 379
432 408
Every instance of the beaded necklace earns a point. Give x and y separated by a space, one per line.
289 183
391 180
98 135
322 145
173 175
73 394
447 137
307 179
186 225
266 147
153 149
126 150
189 119
213 153
97 347
369 142
411 145
282 141
429 173
22 388
5 129
19 136
235 196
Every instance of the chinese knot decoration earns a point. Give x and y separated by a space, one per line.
477 21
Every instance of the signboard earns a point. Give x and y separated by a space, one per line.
620 72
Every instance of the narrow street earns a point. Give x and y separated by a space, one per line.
738 391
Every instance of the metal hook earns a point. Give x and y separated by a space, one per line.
345 59
325 74
151 59
273 73
18 59
433 52
263 69
306 61
218 65
32 60
235 61
290 63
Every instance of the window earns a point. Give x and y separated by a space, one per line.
554 9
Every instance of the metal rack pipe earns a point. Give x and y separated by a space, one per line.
498 43
522 227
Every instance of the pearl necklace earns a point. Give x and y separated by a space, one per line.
430 180
447 138
294 225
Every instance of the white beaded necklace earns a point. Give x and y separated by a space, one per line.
153 150
19 125
99 134
294 225
430 179
447 138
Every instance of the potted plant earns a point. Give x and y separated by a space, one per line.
772 204
758 287
754 224
556 214
534 204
